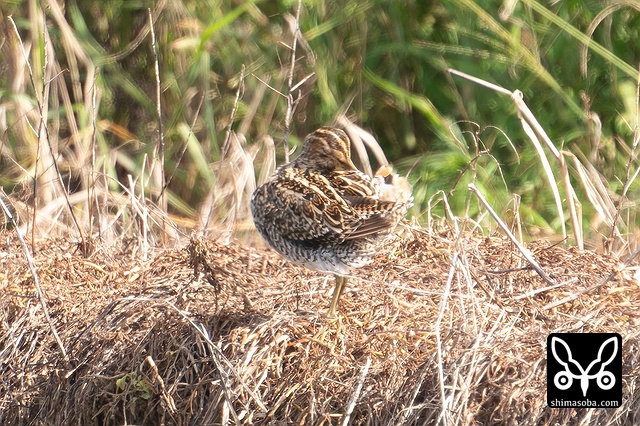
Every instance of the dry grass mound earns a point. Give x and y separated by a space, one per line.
448 328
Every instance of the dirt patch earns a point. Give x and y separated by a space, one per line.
217 334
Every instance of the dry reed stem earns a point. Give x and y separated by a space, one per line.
532 128
548 172
92 201
517 98
158 165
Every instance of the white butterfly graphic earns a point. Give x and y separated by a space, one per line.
564 379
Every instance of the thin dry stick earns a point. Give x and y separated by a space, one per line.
516 215
473 165
527 255
34 274
171 404
481 82
38 149
140 207
40 105
225 149
542 290
226 145
436 327
290 100
160 149
356 394
411 406
581 292
268 85
35 196
91 181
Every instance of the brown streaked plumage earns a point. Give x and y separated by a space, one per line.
320 211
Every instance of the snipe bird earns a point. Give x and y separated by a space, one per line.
321 212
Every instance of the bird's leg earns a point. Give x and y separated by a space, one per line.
341 282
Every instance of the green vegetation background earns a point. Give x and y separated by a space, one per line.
381 62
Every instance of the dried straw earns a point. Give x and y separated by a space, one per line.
228 334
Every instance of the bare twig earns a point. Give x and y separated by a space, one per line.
168 399
295 43
581 292
269 86
225 153
516 215
140 207
301 82
481 82
526 253
542 290
548 171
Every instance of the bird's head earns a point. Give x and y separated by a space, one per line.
326 149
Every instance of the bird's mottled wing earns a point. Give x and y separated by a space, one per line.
360 192
304 207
